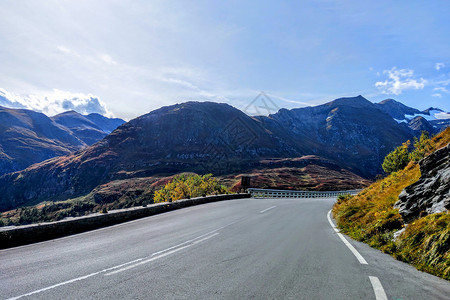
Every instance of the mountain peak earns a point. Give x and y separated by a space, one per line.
429 110
67 113
388 101
396 109
358 101
193 109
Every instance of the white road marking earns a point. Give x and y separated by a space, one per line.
380 294
160 255
74 280
135 262
264 210
354 251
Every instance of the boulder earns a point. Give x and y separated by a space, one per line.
431 193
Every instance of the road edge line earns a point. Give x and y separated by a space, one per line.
344 240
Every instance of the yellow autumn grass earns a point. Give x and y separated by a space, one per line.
371 218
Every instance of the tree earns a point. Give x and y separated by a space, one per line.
422 146
397 159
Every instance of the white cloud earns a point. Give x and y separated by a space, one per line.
55 102
64 49
437 95
441 89
400 80
439 66
107 59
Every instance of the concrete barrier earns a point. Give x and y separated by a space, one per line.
13 236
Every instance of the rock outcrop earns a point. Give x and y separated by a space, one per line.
431 193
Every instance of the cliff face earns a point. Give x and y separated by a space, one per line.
431 193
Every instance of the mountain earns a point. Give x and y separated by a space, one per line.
83 128
27 137
432 119
350 134
351 131
419 124
90 128
198 137
106 124
397 110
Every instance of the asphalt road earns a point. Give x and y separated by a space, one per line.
237 249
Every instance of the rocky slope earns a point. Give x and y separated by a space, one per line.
431 193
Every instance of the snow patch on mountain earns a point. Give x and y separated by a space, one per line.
432 116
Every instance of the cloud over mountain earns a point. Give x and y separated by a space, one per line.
399 80
55 102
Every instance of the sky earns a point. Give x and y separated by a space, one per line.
126 58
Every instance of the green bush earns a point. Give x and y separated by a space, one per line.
397 159
186 186
422 146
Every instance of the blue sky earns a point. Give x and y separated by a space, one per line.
126 58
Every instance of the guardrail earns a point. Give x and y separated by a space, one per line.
268 193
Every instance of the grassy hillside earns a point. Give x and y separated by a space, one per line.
370 217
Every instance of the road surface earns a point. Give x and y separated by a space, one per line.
237 249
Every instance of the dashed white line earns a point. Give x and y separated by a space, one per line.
380 294
354 251
160 255
264 210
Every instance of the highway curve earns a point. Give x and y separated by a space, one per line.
237 249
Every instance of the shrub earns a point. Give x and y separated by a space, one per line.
422 146
397 159
185 186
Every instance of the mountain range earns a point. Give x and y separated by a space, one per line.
347 137
28 137
432 120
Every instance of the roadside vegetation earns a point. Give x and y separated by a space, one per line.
370 217
187 186
118 194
